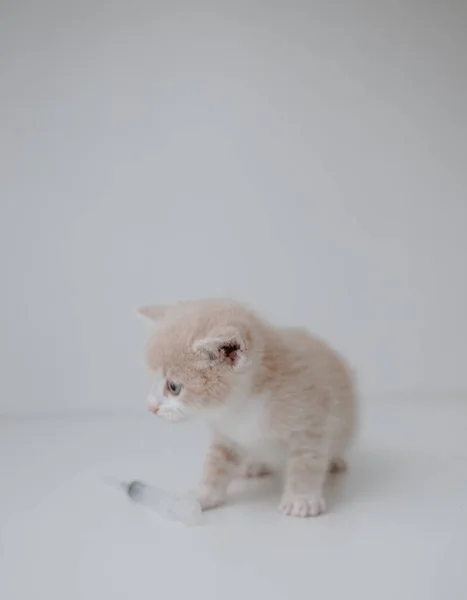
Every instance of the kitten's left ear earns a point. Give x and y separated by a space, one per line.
154 312
227 346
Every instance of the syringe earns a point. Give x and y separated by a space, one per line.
184 508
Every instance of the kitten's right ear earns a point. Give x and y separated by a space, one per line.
227 346
153 312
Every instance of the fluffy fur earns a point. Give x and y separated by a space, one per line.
272 397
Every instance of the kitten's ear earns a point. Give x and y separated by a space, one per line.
227 346
153 313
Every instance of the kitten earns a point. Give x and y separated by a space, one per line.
272 397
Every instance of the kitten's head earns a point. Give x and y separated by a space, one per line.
199 354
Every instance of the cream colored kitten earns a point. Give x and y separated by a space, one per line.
272 397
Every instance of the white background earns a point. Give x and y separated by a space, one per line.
309 158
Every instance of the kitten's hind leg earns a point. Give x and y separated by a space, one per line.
256 469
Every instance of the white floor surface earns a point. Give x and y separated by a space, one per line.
396 526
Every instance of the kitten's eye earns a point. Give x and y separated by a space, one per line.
174 388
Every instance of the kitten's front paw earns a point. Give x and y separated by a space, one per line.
302 506
209 497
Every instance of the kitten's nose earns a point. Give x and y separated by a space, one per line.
154 409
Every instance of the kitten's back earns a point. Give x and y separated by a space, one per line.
299 369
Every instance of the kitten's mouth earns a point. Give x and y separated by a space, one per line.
173 417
